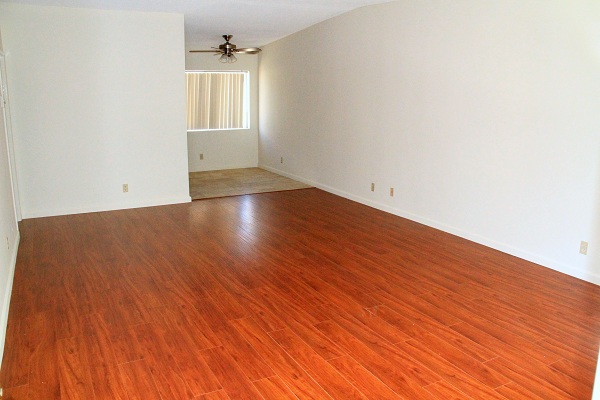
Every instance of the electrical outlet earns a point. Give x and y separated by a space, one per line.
125 188
583 247
201 156
281 162
391 192
372 187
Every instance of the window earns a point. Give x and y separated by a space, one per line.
217 100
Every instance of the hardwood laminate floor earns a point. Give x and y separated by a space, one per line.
236 182
297 294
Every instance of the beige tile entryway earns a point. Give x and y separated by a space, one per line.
235 182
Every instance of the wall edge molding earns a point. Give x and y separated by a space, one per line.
8 293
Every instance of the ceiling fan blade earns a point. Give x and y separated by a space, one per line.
248 50
205 51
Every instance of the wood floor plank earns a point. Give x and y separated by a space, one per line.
177 292
316 340
228 304
274 388
381 366
567 350
74 371
18 352
126 346
43 371
16 393
288 283
102 362
555 382
187 356
419 303
442 390
528 328
526 357
416 324
265 317
120 311
342 278
67 318
272 300
229 374
322 372
197 326
346 304
218 395
515 391
298 380
364 380
354 330
462 361
503 334
163 368
541 313
299 294
575 371
502 317
241 351
449 372
138 382
197 332
301 324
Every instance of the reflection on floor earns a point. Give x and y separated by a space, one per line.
235 182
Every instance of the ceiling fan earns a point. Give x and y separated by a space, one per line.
228 50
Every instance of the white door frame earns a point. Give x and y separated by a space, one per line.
5 107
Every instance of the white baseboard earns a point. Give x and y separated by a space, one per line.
8 293
105 207
503 247
222 167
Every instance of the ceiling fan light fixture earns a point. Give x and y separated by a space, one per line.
228 58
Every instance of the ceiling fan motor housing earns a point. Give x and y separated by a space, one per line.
227 48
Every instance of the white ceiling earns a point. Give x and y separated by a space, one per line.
252 22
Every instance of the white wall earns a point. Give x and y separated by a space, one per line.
229 148
98 100
9 231
482 115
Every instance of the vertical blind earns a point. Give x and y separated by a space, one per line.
217 100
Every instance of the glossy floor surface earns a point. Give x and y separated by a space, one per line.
297 294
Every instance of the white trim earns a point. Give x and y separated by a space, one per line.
105 207
8 293
9 138
503 247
